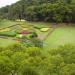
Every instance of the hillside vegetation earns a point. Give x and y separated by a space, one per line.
41 10
18 60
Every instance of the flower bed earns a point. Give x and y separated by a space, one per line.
5 30
44 29
25 32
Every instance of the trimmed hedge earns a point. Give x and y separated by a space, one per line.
9 34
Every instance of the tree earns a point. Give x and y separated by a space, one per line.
40 10
68 1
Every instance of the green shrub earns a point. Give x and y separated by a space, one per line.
37 42
33 35
6 65
34 61
16 47
28 71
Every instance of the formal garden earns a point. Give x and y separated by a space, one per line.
37 37
24 33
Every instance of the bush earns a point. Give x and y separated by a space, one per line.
16 47
25 70
6 65
37 42
33 35
34 61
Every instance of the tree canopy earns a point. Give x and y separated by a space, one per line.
33 61
41 10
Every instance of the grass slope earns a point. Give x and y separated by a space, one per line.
6 42
6 23
61 36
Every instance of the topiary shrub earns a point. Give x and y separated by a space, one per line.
33 35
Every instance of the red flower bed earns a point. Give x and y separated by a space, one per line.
25 32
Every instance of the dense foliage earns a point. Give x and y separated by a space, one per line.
41 10
19 60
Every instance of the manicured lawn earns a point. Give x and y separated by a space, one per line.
6 42
73 1
6 23
61 36
39 23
